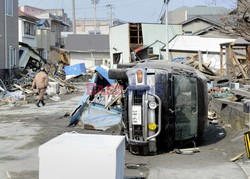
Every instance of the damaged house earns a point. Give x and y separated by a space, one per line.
29 50
8 39
187 47
135 41
51 24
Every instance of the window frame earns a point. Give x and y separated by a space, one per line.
12 56
31 28
9 5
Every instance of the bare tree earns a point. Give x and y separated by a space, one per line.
238 21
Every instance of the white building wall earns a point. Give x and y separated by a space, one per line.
150 36
28 39
45 39
119 43
88 58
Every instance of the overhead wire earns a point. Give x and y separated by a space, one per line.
160 15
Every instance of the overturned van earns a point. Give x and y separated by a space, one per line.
164 105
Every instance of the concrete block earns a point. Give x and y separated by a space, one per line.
79 156
53 88
63 90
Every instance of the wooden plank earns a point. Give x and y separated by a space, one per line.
24 90
200 60
240 67
228 63
241 92
221 61
248 59
237 157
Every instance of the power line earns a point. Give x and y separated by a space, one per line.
160 15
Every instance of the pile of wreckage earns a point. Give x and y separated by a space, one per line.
228 85
61 77
100 108
20 90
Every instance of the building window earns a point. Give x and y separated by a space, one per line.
116 58
12 56
29 28
188 32
9 7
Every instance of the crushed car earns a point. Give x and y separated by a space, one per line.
164 105
160 105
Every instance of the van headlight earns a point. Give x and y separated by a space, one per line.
152 105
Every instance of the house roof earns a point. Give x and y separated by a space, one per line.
203 10
200 18
87 43
43 22
197 43
205 30
27 16
47 15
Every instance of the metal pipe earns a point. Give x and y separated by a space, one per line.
159 118
5 35
95 2
130 97
145 116
167 39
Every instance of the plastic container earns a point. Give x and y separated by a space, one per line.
82 156
75 69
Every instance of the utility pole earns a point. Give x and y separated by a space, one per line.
166 17
74 16
95 2
110 6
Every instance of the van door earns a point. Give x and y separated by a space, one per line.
186 107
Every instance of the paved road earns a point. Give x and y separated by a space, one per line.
23 129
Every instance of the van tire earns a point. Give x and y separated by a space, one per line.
117 74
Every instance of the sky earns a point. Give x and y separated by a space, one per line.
126 10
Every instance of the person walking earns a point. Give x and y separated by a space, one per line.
41 83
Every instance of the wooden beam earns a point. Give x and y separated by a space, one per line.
248 59
240 67
200 60
229 64
221 61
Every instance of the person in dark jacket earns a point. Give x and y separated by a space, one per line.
41 83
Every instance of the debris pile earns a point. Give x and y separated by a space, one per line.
100 107
226 103
61 76
8 97
21 88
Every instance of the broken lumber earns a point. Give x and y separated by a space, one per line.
237 157
241 92
62 83
24 90
190 149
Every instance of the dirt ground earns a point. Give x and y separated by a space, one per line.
24 128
